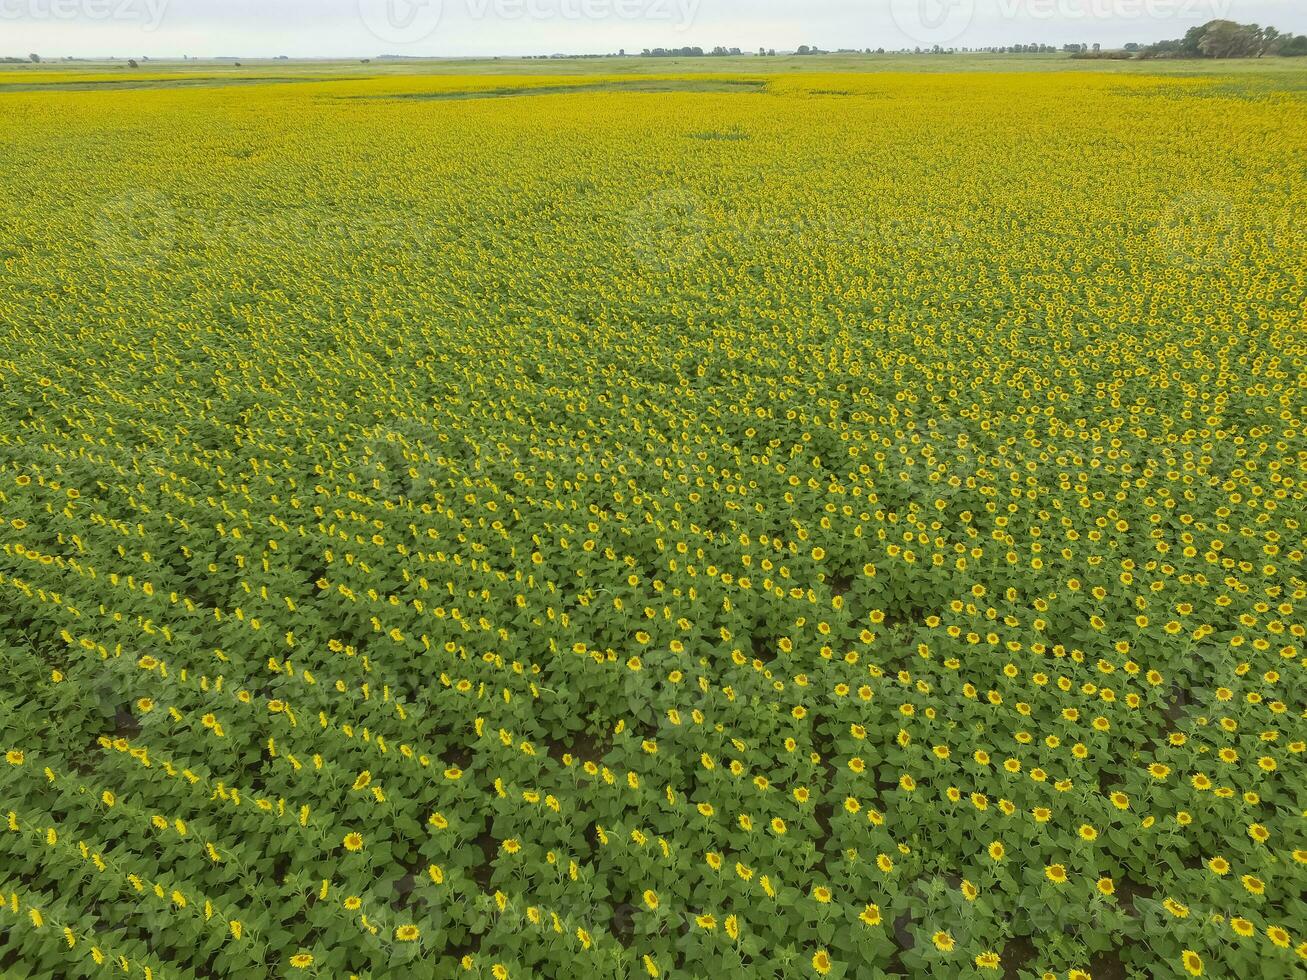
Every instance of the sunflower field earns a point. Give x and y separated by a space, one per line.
819 525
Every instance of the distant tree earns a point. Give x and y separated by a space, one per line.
131 63
803 49
693 52
1225 39
1295 47
1161 49
34 58
1191 45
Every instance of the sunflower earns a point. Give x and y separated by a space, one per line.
407 933
1192 962
353 842
1056 873
988 960
821 962
1177 909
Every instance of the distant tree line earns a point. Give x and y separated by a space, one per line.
1226 39
1215 39
1027 48
694 52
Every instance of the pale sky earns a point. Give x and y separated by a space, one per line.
367 28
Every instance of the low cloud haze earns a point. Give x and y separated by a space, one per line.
367 28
